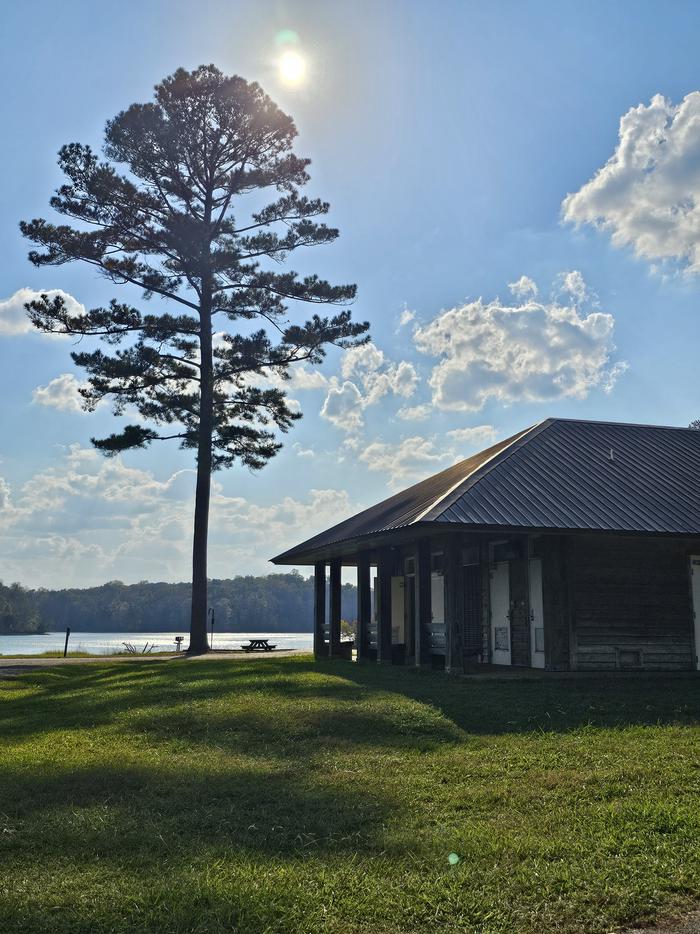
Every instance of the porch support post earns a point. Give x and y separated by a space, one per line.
384 572
364 605
334 628
422 609
320 648
454 610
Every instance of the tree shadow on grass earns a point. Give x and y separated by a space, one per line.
144 812
496 706
238 903
176 847
282 705
225 765
281 710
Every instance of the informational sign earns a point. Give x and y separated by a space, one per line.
501 639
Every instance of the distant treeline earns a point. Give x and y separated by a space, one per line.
18 611
276 603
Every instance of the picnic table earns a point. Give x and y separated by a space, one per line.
258 645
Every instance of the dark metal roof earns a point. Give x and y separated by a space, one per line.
560 474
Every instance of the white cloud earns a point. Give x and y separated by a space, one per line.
13 316
523 288
61 393
343 406
613 374
87 519
572 284
411 458
367 358
647 195
528 352
473 437
302 451
407 316
417 457
5 496
415 413
274 526
304 378
367 377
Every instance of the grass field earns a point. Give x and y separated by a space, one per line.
280 795
58 653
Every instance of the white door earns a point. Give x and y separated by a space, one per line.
437 599
500 614
536 614
695 586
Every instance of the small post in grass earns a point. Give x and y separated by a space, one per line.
211 641
65 647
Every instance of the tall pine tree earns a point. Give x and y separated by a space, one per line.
180 207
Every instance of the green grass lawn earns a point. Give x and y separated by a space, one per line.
280 795
58 653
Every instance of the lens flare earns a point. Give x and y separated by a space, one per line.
292 67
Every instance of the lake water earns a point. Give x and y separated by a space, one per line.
106 643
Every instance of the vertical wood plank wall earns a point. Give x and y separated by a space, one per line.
454 605
422 603
485 601
472 629
632 601
385 569
520 607
609 602
556 601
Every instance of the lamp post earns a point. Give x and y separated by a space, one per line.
211 613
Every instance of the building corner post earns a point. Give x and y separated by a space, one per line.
384 572
454 594
335 608
422 606
320 648
364 606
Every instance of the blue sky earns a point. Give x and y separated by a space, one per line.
446 137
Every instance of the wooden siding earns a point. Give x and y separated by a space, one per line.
485 602
520 609
472 630
632 605
421 603
454 605
556 600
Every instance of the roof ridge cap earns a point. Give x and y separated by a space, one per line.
480 472
602 421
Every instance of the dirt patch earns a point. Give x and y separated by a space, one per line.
688 924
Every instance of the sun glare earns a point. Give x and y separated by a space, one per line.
292 67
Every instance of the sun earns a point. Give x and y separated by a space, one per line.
291 67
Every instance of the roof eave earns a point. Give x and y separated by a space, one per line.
373 540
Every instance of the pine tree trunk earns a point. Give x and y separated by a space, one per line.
198 620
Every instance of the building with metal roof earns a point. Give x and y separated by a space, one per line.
570 545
